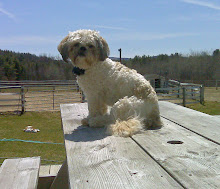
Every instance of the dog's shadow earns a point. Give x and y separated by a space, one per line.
86 134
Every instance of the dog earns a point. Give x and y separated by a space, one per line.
118 97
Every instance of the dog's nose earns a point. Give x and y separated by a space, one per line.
82 49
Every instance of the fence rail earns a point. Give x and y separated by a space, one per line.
37 95
11 99
23 96
206 83
181 93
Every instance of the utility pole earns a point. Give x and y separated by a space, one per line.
120 53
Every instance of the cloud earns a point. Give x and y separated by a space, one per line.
150 36
203 3
28 40
8 14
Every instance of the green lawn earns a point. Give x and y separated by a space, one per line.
49 123
209 107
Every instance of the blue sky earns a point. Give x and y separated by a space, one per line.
139 27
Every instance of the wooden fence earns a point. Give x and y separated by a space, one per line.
38 95
10 98
21 96
181 93
206 83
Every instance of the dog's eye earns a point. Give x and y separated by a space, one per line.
76 45
91 46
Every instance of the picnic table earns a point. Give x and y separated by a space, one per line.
182 154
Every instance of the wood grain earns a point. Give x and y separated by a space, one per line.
20 173
96 160
195 163
201 123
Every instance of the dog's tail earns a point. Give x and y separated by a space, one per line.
125 128
130 114
126 117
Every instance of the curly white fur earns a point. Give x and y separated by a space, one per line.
106 83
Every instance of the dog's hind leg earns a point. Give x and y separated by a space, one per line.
148 95
130 115
153 120
126 117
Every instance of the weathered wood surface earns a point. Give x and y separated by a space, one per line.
44 170
201 123
96 160
195 163
20 173
49 170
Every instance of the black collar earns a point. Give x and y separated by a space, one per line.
78 71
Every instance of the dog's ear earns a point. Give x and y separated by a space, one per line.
104 49
63 49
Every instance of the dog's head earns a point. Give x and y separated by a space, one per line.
84 48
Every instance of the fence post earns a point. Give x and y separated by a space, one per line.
184 96
216 84
83 96
178 95
53 96
22 100
201 94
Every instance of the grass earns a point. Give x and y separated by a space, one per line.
212 102
211 94
209 107
49 123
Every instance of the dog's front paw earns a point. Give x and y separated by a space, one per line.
85 121
91 122
96 122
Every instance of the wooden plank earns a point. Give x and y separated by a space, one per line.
54 169
6 100
20 173
44 170
96 160
195 163
201 123
10 105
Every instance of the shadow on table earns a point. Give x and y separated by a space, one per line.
86 134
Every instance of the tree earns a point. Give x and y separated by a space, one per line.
216 52
18 69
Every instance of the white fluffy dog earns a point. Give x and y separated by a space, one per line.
106 83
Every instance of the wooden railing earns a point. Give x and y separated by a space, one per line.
181 93
37 96
21 96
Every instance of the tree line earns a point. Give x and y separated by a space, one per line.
196 67
26 66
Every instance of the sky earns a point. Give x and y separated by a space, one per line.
138 27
